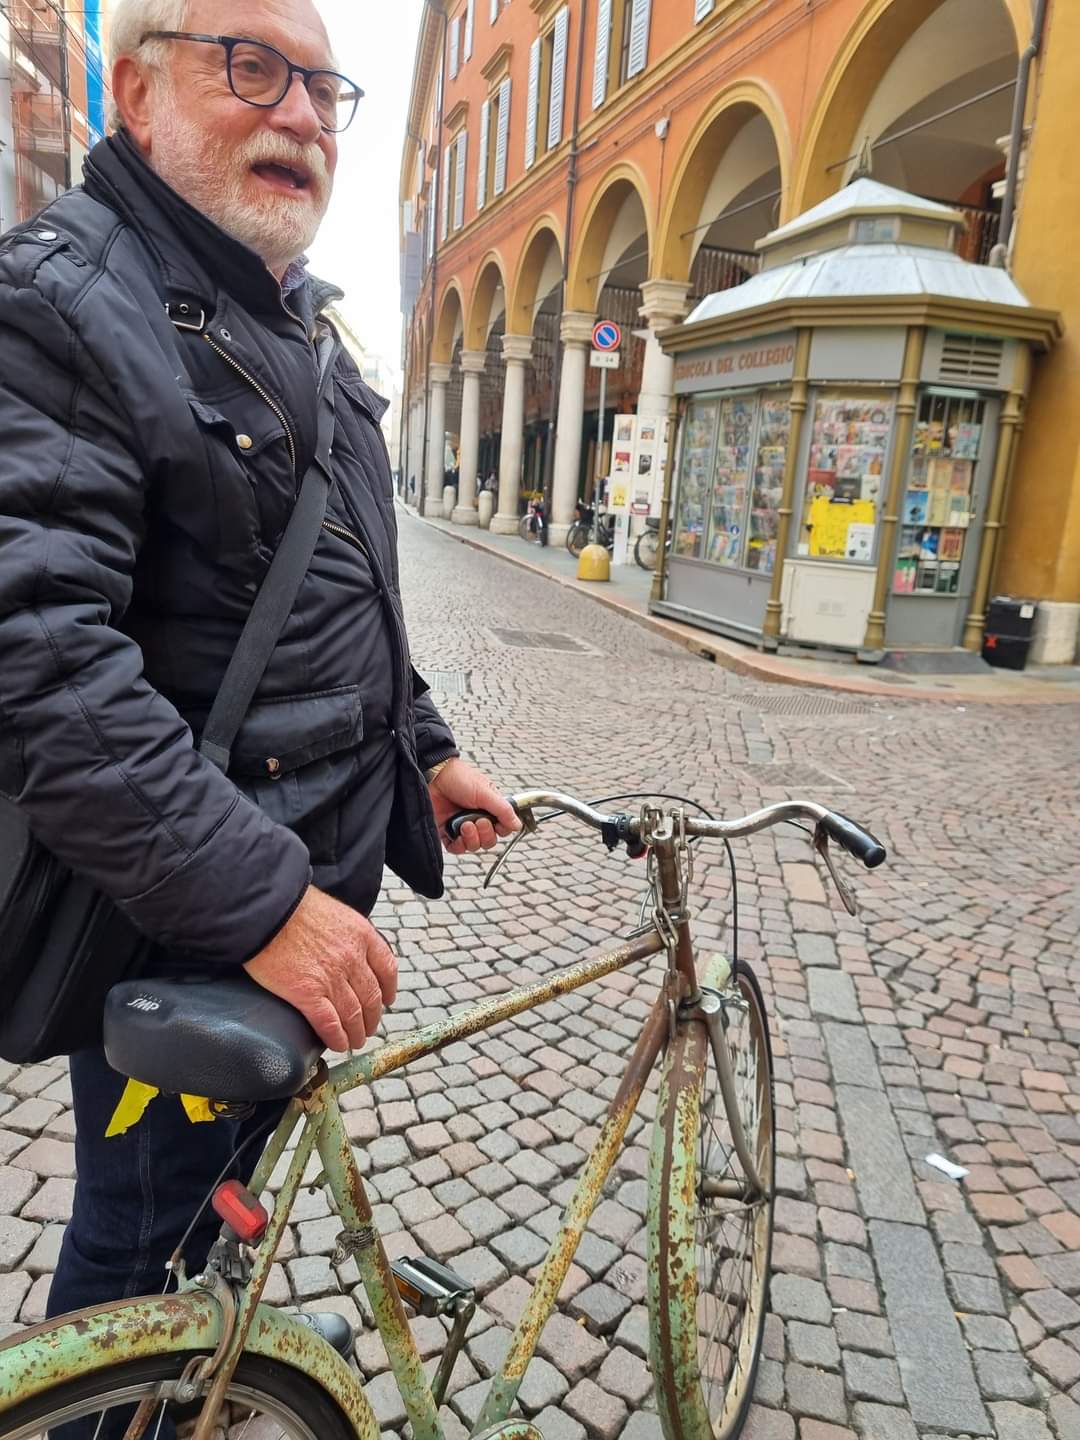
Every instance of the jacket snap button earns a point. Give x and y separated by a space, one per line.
245 442
273 769
46 234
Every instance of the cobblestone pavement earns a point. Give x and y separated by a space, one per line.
944 1019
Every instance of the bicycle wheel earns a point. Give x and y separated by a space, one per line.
577 538
527 529
645 550
270 1399
710 1241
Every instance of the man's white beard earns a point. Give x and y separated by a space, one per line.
211 175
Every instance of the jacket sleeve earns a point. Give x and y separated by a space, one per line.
434 738
100 764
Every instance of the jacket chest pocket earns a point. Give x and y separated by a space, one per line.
249 472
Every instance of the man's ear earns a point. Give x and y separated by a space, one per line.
131 87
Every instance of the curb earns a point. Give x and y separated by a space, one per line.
739 659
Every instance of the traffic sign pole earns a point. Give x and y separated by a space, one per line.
601 427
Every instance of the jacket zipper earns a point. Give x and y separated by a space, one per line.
260 390
346 535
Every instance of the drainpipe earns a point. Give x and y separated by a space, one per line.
422 487
999 256
571 191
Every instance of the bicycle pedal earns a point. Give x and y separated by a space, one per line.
430 1288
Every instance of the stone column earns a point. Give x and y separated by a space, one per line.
472 367
576 334
517 350
665 305
438 379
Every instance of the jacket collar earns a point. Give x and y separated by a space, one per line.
188 247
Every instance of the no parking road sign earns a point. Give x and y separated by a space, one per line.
606 336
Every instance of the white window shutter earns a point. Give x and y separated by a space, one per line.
459 190
603 44
482 158
639 37
702 8
470 25
558 78
494 11
532 113
431 219
455 45
444 216
503 136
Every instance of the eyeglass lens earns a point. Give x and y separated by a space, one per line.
261 76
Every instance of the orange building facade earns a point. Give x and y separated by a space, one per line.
620 159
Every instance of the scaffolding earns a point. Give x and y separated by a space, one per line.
40 105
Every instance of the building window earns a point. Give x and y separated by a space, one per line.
622 45
461 152
702 8
502 136
484 162
455 46
470 26
532 103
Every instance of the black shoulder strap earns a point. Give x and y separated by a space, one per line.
277 595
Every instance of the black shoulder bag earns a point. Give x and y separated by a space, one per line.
63 944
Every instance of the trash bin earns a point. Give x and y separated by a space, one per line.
1009 627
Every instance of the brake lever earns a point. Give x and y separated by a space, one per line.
528 827
844 890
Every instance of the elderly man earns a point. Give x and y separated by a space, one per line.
161 351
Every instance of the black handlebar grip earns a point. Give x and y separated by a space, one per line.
455 823
855 840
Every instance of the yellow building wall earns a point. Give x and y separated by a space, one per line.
1041 545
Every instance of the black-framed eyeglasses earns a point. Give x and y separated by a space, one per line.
262 76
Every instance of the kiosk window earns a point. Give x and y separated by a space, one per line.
845 477
939 503
731 480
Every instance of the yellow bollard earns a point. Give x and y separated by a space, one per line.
594 563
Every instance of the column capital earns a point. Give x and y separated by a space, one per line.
666 302
473 361
517 347
576 327
438 373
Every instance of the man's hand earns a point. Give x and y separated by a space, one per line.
333 966
460 786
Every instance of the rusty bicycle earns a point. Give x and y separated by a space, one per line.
211 1360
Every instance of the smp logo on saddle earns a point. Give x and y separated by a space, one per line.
145 1003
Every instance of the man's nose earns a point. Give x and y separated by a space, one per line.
296 115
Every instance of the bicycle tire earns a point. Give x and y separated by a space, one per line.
577 538
645 550
527 529
257 1379
704 1391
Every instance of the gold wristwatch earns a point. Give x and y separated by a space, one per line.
436 770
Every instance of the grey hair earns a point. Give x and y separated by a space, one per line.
130 21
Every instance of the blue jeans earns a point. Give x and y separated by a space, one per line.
135 1195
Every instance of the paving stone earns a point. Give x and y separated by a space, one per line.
987 1332
642 1426
1018 1422
1004 1377
13 1288
884 1422
1064 1417
832 995
863 1332
51 1203
882 1169
627 1376
570 1348
48 1157
869 1377
555 1424
795 1298
483 1219
1054 1310
601 1307
819 1430
813 1345
977 1293
851 1056
937 1374
814 1392
603 1415
633 1331
1059 1362
765 1424
443 1237
16 1187
519 1248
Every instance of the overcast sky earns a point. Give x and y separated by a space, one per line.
358 245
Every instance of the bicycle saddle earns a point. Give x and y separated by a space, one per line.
227 1040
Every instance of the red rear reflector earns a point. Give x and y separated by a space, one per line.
236 1205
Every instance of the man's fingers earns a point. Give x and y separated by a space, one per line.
509 821
384 966
470 837
324 1020
370 996
485 832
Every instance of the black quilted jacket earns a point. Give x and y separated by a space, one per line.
147 471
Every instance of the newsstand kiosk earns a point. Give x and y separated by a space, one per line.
848 422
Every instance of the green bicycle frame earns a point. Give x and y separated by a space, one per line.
205 1314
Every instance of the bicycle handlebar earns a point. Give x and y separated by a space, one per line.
852 837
